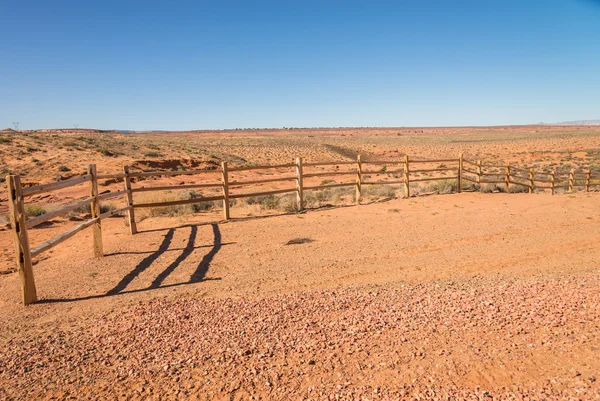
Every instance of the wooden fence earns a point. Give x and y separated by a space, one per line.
460 169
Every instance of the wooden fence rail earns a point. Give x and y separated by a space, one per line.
461 169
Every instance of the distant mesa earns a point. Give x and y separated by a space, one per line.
8 130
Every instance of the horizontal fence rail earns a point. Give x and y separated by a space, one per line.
53 186
459 169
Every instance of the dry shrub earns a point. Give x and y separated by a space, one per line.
517 189
34 210
87 209
379 191
289 204
470 186
443 186
333 196
175 210
266 202
489 188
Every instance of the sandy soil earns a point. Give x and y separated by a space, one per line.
467 295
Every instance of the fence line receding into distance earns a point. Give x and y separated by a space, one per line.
461 169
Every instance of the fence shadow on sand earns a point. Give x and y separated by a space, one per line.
198 275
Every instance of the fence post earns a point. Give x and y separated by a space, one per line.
479 172
406 179
507 177
130 212
21 239
299 184
225 178
587 180
571 179
552 179
460 168
95 209
531 180
358 180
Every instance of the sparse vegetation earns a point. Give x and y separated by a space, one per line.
379 191
33 210
177 210
268 202
443 186
514 189
105 152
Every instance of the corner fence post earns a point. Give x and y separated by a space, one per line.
299 184
531 180
358 180
95 209
21 239
130 212
552 179
507 177
406 179
460 169
225 178
571 179
587 180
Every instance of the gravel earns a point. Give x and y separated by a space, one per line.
476 339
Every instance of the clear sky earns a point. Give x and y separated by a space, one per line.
223 64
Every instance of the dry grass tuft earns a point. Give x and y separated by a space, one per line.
176 210
34 210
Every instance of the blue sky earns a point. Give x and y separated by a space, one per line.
200 65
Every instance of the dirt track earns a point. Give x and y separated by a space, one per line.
462 294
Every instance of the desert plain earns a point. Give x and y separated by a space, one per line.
484 294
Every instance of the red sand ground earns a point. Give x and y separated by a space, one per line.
475 296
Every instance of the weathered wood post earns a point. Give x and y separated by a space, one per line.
299 184
552 180
406 179
358 179
95 209
571 179
131 211
531 180
460 169
507 177
588 178
479 172
16 205
225 179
